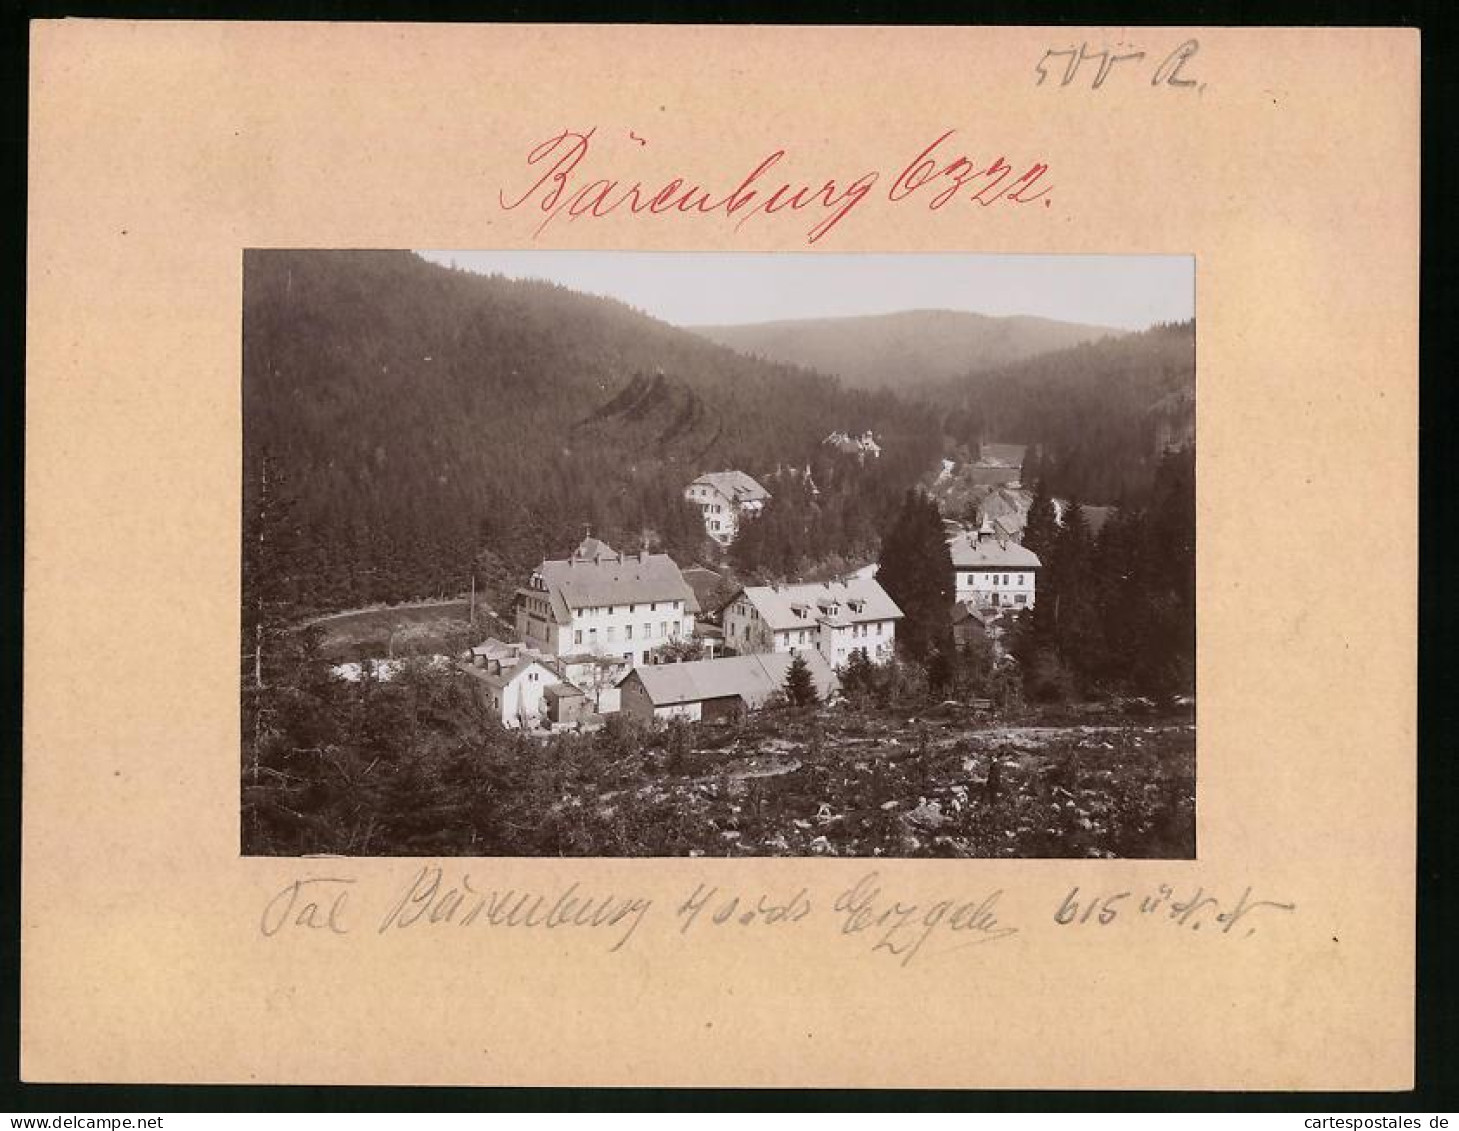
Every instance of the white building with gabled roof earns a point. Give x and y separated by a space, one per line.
723 499
511 681
833 618
993 571
599 612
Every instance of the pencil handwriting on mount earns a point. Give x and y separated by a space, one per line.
1163 69
313 903
431 900
901 929
1194 910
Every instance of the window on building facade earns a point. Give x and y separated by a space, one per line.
1020 600
628 632
577 637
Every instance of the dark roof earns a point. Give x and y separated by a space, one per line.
591 549
966 610
1000 455
703 582
509 671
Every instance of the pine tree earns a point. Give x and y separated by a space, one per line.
800 688
916 571
939 672
1031 471
858 679
271 536
1042 526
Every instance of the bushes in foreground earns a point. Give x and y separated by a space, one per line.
413 767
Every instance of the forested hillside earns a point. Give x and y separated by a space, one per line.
904 350
405 423
1100 414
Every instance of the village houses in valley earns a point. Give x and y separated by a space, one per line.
723 498
832 618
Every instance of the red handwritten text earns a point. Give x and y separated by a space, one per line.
564 182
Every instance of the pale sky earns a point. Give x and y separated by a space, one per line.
694 288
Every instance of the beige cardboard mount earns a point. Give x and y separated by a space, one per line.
1288 168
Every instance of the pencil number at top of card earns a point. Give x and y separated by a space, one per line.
1095 66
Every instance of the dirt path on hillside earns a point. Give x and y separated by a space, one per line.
436 604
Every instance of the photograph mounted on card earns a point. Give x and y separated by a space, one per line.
761 564
769 557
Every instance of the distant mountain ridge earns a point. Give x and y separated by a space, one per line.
907 348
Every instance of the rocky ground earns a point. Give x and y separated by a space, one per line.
833 782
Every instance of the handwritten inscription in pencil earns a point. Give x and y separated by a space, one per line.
1098 64
1191 909
869 914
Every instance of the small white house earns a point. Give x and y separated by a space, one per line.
511 681
993 571
723 499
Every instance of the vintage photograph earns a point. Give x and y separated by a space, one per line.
718 554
